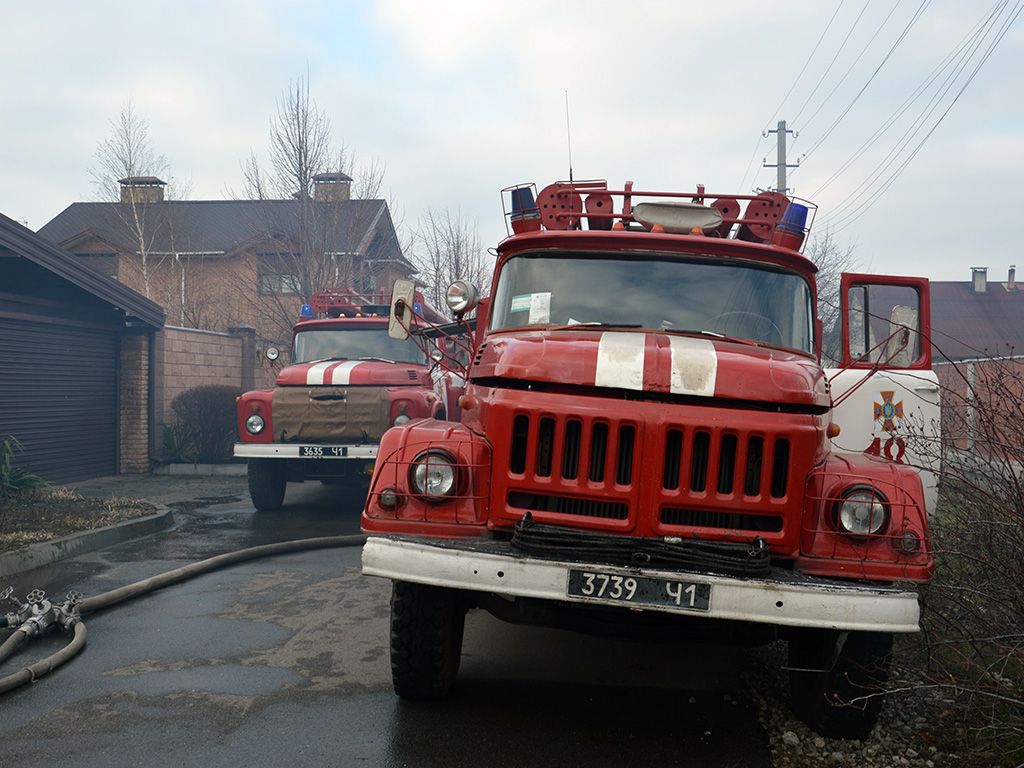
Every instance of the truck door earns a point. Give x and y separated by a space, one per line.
885 393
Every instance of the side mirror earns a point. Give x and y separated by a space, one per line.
461 297
272 353
400 319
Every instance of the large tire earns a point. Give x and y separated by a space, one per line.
267 481
837 680
426 640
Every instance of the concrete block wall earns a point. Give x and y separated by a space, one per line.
194 358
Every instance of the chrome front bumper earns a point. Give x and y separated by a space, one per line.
785 598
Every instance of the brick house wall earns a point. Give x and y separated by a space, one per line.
133 404
981 402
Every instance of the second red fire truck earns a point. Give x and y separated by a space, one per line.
347 383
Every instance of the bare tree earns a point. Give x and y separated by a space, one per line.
128 153
446 247
312 244
832 260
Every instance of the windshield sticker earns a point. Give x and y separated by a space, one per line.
540 307
521 303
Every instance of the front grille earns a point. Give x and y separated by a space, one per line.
695 459
568 505
602 452
729 521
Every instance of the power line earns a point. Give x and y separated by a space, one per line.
906 30
856 214
800 74
828 69
850 201
975 31
849 69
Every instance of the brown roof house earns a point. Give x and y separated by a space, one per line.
980 318
218 264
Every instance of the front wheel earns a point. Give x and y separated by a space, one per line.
427 625
267 481
837 680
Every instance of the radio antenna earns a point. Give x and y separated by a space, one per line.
568 134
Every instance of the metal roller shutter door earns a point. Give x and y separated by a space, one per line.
58 396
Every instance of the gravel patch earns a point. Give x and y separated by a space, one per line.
908 731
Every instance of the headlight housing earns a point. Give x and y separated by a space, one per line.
254 424
401 419
432 475
461 297
862 511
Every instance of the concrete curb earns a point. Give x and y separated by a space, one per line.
47 552
201 470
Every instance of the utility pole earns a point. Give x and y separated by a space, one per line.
780 163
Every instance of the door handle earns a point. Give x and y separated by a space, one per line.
927 388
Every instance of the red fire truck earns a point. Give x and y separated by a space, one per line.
347 383
649 442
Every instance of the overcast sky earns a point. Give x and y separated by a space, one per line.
462 99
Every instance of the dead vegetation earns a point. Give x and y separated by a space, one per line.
41 514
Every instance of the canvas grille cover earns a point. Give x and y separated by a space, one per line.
321 414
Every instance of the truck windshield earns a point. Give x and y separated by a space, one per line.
353 344
728 298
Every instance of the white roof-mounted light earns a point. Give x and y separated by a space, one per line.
677 217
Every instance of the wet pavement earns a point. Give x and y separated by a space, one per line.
285 661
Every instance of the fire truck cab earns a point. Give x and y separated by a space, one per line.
346 384
646 444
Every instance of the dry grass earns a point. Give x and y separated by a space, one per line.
41 514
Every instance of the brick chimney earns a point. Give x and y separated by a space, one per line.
979 279
142 189
332 187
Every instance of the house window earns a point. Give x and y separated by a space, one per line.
101 262
278 274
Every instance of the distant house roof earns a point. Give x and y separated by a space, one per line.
968 324
25 243
214 227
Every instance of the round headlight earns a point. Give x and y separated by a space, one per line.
400 419
862 511
433 475
254 424
460 297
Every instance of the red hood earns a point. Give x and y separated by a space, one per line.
655 362
353 373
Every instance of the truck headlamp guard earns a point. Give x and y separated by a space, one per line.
433 475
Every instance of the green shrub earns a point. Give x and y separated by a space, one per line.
12 478
202 425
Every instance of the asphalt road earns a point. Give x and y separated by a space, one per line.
284 661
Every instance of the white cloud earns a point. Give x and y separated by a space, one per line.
461 99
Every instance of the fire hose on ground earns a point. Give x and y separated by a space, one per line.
38 616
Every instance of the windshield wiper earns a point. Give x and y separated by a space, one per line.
572 326
376 359
724 337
